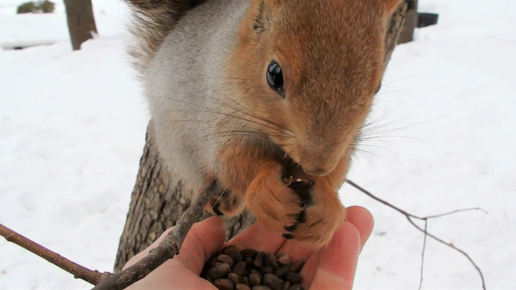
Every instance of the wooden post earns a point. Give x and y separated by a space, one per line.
407 34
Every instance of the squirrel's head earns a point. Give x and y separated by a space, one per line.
311 68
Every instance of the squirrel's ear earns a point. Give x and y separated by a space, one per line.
259 19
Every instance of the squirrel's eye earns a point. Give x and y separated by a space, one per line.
275 78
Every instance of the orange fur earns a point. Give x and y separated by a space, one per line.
241 165
390 5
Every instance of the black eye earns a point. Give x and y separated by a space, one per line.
275 78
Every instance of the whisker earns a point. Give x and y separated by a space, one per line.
220 196
395 88
379 147
385 92
406 137
186 120
422 122
259 117
250 112
379 156
247 132
214 112
409 77
360 141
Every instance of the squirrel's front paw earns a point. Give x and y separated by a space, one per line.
272 201
297 208
323 215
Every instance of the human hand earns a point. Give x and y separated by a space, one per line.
332 267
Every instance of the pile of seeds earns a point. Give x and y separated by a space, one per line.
248 269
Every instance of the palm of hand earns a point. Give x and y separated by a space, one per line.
330 268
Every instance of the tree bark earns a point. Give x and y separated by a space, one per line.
157 203
81 22
407 34
157 200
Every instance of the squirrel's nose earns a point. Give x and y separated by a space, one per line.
317 161
317 168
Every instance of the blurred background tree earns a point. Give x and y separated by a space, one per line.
81 22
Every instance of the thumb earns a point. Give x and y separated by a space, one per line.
338 261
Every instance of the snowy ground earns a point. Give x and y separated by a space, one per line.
49 28
72 130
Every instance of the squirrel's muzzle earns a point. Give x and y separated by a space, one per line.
318 161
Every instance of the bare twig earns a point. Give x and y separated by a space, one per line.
106 281
424 231
166 250
453 247
423 257
453 212
78 271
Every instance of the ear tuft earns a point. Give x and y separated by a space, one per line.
259 18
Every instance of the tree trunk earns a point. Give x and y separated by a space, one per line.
81 22
407 34
156 204
157 200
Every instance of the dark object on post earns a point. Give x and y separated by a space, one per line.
427 19
81 22
407 33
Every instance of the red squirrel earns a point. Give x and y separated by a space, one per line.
237 89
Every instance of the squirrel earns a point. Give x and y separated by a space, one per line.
238 88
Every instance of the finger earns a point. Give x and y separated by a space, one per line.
296 250
338 261
362 219
258 237
310 268
202 241
136 258
171 277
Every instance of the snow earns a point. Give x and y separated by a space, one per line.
72 127
28 29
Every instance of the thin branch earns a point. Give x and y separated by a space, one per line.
425 219
423 257
454 212
166 249
107 281
381 200
453 247
78 271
